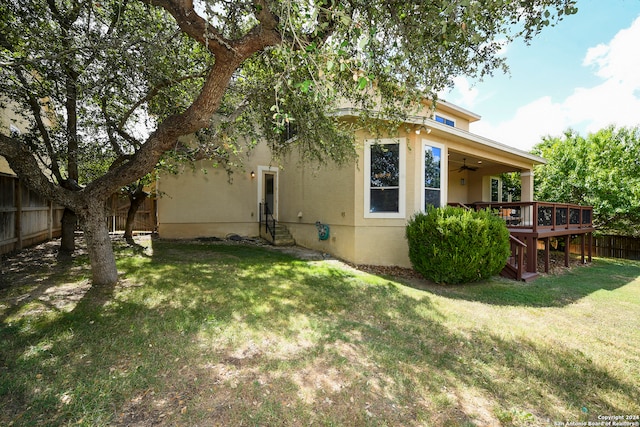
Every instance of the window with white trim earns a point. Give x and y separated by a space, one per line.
433 175
384 178
444 120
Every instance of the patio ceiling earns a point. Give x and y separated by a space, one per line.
481 165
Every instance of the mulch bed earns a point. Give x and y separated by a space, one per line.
556 267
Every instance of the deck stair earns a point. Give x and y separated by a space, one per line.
515 267
511 272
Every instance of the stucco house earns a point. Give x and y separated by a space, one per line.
357 212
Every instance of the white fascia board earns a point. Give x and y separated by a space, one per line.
457 132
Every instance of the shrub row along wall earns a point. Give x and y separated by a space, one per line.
25 217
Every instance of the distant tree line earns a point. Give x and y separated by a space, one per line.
601 170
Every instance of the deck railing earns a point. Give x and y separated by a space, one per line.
541 216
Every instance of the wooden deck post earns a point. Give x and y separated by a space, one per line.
567 249
532 254
546 254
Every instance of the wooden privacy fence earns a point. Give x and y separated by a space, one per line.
117 208
609 246
26 218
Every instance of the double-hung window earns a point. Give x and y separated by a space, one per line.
385 178
433 175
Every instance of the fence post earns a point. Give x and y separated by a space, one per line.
18 201
50 221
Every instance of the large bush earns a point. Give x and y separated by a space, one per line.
455 245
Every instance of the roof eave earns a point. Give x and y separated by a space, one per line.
460 133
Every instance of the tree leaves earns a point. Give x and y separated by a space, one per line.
602 170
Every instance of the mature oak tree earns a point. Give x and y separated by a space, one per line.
85 74
601 170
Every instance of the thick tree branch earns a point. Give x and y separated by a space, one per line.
110 129
193 24
24 164
153 92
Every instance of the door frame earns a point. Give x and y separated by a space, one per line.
262 172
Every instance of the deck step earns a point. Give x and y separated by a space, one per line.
510 271
529 277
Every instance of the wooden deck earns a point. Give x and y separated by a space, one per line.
530 222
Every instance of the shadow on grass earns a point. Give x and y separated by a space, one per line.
547 291
239 335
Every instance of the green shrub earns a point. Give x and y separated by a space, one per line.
455 245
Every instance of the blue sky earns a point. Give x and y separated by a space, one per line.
583 74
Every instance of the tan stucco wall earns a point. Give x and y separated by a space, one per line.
203 205
7 117
4 166
458 192
340 244
382 246
202 202
327 194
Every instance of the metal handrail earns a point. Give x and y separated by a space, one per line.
269 220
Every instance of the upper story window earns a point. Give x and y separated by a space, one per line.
290 131
444 120
385 178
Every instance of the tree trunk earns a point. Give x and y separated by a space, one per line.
136 199
69 221
96 234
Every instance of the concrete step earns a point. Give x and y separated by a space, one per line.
282 236
284 242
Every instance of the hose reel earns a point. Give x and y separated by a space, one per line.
323 230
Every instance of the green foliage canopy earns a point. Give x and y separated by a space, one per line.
601 170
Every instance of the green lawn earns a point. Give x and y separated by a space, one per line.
214 334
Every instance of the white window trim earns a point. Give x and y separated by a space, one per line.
402 142
444 173
275 170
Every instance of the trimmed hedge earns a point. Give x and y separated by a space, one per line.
456 245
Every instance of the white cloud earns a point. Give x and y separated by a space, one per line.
463 93
614 101
529 124
619 59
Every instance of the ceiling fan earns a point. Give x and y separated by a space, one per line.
464 167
